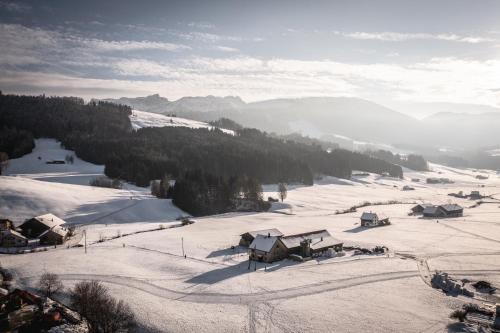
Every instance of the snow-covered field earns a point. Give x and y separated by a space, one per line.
212 290
142 119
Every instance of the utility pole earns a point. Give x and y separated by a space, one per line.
85 235
182 243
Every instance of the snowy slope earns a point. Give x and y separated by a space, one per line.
31 187
34 165
142 119
212 289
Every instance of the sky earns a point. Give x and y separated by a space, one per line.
390 52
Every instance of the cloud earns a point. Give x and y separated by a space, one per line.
201 25
59 62
24 46
14 7
102 45
226 49
401 37
440 79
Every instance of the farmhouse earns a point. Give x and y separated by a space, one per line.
267 249
48 228
443 211
248 237
310 243
373 220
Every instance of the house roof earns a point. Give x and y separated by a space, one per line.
451 207
15 233
372 216
431 209
56 229
50 220
423 205
265 232
369 216
263 243
292 241
328 241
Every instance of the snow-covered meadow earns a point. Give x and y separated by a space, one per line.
213 290
140 119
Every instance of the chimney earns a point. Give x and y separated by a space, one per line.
268 235
321 238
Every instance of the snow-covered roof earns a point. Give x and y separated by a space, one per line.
423 206
369 216
292 241
50 220
265 232
56 229
451 207
431 209
15 233
321 243
263 243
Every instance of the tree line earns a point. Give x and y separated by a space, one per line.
101 133
411 161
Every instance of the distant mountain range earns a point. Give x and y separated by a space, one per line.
344 120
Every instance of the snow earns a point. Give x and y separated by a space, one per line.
34 165
142 119
212 289
263 243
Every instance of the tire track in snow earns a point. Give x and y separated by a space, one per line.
252 298
246 298
471 233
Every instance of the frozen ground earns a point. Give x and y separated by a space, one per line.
142 119
213 290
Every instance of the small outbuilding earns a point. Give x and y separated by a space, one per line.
12 238
373 219
248 237
475 195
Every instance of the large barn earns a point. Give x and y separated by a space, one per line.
443 211
310 243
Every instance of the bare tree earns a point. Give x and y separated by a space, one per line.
50 284
103 313
282 191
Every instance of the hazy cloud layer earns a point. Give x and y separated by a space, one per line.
275 56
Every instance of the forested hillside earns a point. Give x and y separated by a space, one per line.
101 133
